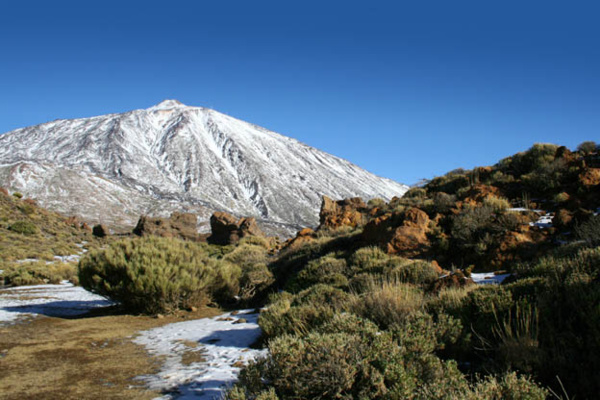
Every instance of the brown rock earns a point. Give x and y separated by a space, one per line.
403 233
179 225
3 191
349 212
226 229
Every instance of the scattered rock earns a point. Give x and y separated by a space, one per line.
241 321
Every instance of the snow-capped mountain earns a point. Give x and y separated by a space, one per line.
115 167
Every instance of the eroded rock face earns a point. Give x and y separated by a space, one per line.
227 229
347 212
179 225
402 233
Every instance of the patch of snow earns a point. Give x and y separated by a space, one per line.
52 300
545 221
224 345
488 278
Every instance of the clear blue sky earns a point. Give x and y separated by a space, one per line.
405 89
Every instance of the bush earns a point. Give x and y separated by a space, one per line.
18 195
24 227
156 275
327 270
299 314
388 301
418 272
589 231
508 387
588 147
35 273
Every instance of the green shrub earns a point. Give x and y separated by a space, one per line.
18 195
388 301
589 231
327 270
588 147
156 275
508 387
24 227
40 272
418 272
299 314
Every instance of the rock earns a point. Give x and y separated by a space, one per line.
403 233
349 212
179 225
227 229
100 231
3 191
478 193
240 321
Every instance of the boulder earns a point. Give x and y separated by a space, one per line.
179 225
403 233
348 212
227 229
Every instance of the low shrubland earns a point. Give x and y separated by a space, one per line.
34 273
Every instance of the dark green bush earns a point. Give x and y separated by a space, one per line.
589 231
157 275
24 227
327 270
293 314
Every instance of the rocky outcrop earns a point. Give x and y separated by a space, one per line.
179 225
403 233
227 229
347 212
591 177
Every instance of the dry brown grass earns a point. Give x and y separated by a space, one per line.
89 358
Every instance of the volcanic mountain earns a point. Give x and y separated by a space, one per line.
172 157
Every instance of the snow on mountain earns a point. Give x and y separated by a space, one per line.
112 168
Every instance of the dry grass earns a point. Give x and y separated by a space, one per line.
90 358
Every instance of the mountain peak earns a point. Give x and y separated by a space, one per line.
167 104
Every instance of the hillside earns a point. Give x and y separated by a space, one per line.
172 157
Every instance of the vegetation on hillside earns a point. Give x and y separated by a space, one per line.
378 303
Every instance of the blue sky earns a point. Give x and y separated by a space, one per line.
407 90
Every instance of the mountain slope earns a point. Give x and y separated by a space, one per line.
174 157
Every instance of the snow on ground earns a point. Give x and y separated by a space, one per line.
545 221
52 300
488 278
223 342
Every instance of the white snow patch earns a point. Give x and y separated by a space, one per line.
488 278
545 221
51 300
222 343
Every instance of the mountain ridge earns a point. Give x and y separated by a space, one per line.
172 153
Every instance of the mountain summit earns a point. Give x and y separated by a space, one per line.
173 157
